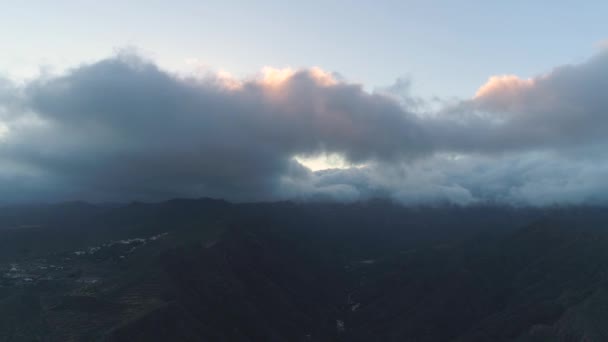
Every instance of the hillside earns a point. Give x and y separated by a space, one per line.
209 270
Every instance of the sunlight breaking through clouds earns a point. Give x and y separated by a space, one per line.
325 161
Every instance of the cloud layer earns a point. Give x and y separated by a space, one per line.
123 129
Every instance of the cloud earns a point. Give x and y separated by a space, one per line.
123 129
500 90
523 179
562 109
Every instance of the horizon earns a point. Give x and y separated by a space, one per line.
313 202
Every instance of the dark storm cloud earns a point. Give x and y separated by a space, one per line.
122 129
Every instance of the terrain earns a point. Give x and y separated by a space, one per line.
210 270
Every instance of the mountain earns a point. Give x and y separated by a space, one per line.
210 270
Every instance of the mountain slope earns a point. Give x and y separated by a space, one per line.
214 271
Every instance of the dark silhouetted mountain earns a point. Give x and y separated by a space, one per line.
209 270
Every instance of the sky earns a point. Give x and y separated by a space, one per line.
447 48
423 102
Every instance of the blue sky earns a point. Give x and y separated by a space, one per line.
447 48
